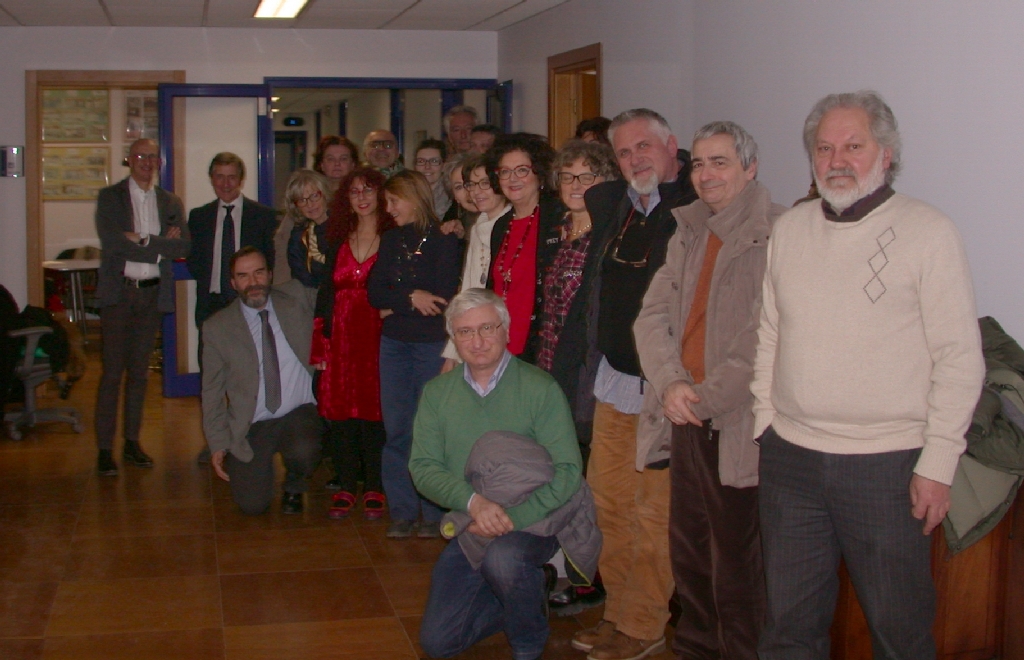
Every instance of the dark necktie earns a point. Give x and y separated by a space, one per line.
271 368
227 249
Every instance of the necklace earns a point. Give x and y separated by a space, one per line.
572 234
506 273
360 260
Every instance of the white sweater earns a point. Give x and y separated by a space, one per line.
869 340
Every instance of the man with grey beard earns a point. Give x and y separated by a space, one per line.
632 224
257 390
867 372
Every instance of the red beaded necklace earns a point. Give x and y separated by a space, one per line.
506 273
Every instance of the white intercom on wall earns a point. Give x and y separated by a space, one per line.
12 161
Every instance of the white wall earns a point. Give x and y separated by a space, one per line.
950 70
213 56
647 57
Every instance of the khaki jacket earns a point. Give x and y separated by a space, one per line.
734 307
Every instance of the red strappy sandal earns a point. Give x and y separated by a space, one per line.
341 505
373 505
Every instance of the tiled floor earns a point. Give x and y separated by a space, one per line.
160 564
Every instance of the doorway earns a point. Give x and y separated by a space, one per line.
574 91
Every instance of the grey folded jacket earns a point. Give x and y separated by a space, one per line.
506 468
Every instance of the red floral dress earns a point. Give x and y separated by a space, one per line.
350 386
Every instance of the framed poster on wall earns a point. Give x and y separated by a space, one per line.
76 115
75 173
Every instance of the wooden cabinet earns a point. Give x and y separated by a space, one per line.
980 607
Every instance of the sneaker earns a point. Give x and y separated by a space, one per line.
429 530
587 639
105 464
623 647
133 455
400 529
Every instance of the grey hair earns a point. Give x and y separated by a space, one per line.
746 148
459 110
453 163
297 182
880 117
598 157
657 122
471 299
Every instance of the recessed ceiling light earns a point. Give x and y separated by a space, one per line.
279 8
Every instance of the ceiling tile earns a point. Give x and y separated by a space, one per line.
520 12
156 13
56 12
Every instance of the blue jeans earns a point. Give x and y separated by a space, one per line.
816 507
506 593
405 367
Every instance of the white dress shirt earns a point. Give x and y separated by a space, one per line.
146 221
296 383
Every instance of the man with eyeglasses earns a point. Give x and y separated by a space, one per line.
380 147
142 230
696 336
473 593
632 224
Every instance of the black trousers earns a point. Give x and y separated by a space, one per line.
353 444
297 436
715 548
129 333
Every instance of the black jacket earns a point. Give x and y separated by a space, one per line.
549 236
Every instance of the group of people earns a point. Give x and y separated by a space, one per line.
622 350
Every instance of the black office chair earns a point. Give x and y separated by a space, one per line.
32 372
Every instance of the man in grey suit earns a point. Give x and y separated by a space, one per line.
142 229
258 387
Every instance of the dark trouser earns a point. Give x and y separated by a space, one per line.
353 443
505 593
818 507
297 436
129 333
716 553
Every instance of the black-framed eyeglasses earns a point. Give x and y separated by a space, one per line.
521 172
486 331
382 144
302 202
613 254
586 179
473 185
428 161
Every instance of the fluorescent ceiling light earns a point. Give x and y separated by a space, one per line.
279 8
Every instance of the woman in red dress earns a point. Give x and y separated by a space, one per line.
346 344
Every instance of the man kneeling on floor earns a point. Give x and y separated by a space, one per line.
257 390
492 578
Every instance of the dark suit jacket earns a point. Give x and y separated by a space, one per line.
259 223
231 367
115 216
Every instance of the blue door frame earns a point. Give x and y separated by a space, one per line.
175 384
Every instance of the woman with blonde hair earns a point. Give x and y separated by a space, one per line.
307 199
416 274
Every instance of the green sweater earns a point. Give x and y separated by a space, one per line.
452 416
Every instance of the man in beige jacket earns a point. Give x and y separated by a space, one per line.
696 336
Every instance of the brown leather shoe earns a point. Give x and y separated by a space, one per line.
585 640
623 647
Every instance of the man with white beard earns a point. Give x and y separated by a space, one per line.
867 372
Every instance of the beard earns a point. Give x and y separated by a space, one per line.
255 296
646 183
841 199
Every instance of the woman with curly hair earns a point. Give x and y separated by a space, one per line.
524 242
346 344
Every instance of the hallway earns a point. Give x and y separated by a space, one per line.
159 564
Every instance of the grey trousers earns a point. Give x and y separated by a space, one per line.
817 507
298 437
129 334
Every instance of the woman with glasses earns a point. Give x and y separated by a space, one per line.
524 242
346 344
336 156
307 196
462 210
416 274
430 157
492 205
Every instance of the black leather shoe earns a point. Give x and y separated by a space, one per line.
573 600
204 456
291 503
105 464
133 455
